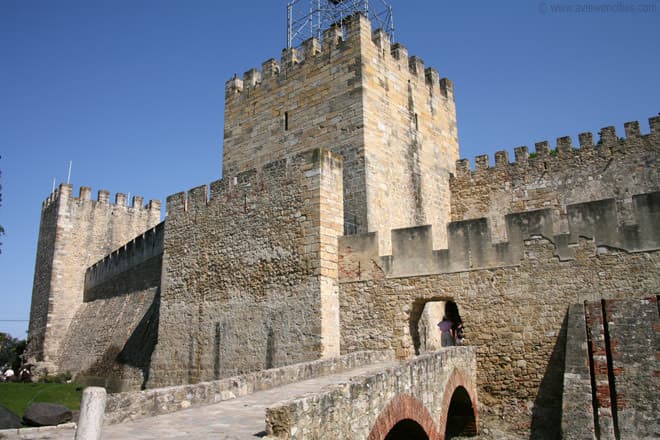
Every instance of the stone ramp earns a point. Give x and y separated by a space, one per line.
611 371
240 418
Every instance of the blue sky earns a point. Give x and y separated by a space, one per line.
132 91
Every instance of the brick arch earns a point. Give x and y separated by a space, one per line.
458 378
403 407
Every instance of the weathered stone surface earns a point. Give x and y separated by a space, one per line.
514 315
8 419
75 233
369 406
429 333
46 414
139 404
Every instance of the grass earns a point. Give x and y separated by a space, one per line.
18 396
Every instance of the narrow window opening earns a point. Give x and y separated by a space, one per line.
286 121
416 122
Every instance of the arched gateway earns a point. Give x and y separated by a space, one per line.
407 417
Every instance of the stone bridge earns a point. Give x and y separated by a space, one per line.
432 396
363 395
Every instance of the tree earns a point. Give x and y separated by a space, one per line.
11 350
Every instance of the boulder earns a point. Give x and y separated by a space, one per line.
9 420
46 414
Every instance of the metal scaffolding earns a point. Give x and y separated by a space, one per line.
308 18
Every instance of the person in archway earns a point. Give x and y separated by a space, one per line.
459 333
447 328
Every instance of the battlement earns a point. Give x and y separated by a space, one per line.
356 31
470 244
310 164
608 144
143 247
65 191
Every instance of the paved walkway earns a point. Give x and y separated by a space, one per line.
240 418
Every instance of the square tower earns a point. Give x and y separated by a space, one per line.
392 120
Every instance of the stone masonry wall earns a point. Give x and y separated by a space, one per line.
514 315
246 273
75 232
613 168
390 118
610 380
411 139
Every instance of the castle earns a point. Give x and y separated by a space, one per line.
342 214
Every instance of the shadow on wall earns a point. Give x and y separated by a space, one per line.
127 368
546 413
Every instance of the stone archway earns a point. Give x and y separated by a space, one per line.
405 417
460 412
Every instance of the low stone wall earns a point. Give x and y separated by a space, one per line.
130 406
357 409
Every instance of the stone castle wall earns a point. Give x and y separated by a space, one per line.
249 275
613 168
390 118
114 331
514 315
75 233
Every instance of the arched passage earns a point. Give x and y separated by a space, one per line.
407 430
460 414
405 417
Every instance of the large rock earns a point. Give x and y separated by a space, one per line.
46 414
9 420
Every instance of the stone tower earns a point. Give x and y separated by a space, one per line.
392 120
75 232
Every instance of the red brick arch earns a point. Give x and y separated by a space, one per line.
403 407
458 378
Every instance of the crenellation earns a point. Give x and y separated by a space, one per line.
147 245
120 199
382 41
176 203
251 78
608 137
432 77
137 202
103 196
310 48
564 147
332 37
233 86
542 149
270 68
463 167
471 246
85 193
399 52
632 129
482 162
197 198
501 159
586 140
416 66
357 26
447 88
654 123
290 58
522 155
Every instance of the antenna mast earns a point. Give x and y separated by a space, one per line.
308 18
